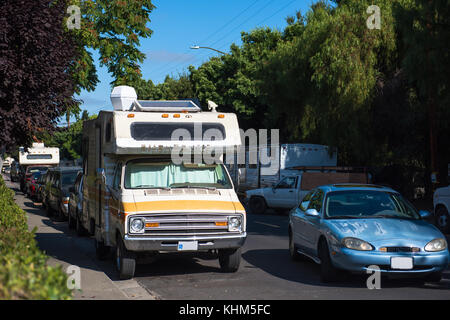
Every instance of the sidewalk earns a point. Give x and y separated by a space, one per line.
99 279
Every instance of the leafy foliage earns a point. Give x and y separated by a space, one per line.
68 140
35 58
24 273
113 28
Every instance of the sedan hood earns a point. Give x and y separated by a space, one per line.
381 229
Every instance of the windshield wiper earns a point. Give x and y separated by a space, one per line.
392 216
193 187
343 217
148 186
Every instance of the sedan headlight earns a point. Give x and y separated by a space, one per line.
436 245
357 244
137 225
234 224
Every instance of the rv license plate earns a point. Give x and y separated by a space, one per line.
187 245
402 263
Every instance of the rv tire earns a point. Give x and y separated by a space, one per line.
79 227
71 220
229 259
125 261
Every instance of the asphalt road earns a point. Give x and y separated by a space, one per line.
266 271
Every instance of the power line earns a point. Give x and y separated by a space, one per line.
230 32
206 55
208 37
291 2
246 21
272 15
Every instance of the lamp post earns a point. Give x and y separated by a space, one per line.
198 47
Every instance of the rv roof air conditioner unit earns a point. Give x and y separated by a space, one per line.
123 97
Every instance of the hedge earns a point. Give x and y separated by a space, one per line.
24 273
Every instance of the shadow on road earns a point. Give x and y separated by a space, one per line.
169 264
277 262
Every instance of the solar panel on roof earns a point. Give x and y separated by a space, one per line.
166 106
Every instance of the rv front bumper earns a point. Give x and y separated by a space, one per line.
142 243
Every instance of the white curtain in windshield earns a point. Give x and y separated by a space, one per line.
166 175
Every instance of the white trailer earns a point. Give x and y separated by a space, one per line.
38 154
250 175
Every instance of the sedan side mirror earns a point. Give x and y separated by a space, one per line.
424 214
312 213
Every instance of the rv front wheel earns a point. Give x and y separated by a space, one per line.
229 259
125 261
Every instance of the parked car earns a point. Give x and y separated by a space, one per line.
290 190
40 184
14 173
25 175
7 170
75 203
57 194
32 184
353 227
5 167
441 205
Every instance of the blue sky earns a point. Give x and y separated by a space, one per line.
179 24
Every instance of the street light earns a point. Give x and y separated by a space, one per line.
198 47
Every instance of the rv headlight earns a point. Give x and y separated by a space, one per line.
234 223
436 245
137 225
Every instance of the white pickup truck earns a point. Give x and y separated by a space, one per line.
441 204
290 190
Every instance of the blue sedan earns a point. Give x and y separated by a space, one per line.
356 227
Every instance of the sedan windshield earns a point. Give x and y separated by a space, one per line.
147 174
368 204
68 178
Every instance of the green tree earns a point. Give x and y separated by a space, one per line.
113 28
425 29
68 140
231 82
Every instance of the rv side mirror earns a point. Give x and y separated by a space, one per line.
101 174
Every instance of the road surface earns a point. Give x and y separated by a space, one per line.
266 271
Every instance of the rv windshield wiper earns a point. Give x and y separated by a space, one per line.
193 187
148 186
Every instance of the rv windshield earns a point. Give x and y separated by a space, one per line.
148 174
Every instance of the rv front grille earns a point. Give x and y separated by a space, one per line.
187 224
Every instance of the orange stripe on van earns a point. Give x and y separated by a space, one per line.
179 205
